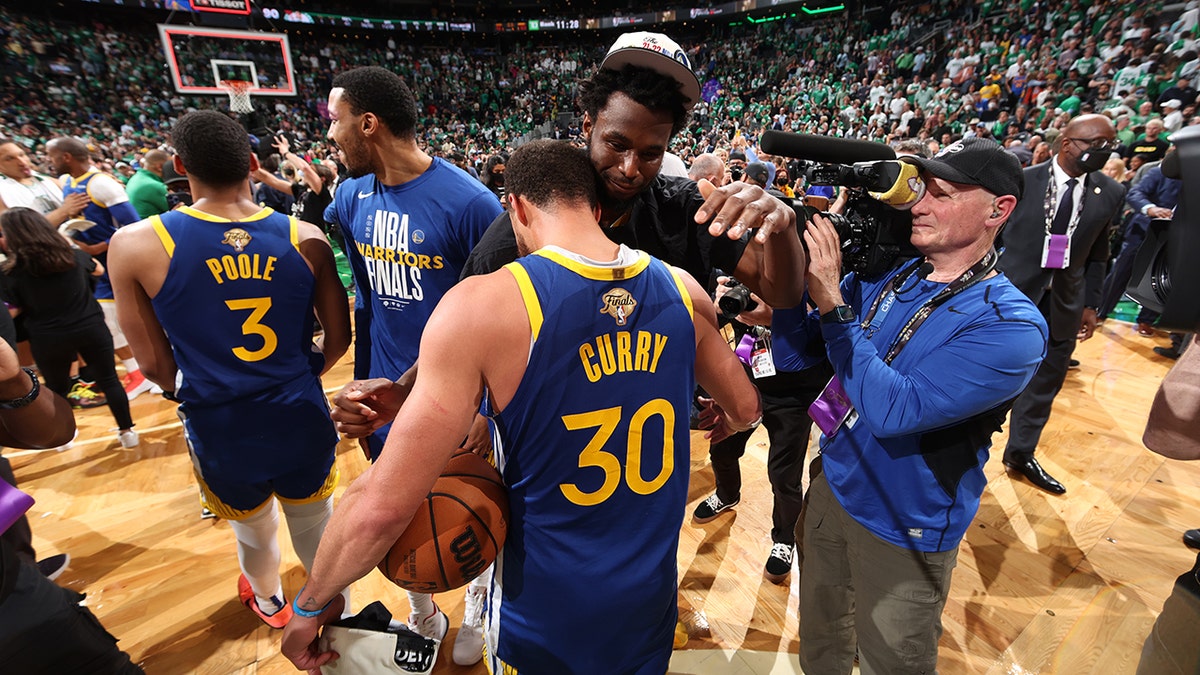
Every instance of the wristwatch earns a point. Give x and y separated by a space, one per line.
14 403
839 314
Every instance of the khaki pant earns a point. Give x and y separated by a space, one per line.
1173 646
858 591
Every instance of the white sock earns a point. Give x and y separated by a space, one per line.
306 523
421 603
258 553
131 364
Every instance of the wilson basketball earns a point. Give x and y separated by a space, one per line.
456 533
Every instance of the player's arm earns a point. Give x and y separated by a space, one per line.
378 506
773 263
718 370
330 303
129 259
107 192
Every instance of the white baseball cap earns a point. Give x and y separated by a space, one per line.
659 53
1173 103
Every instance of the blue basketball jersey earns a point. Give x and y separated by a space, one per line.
595 450
105 224
237 306
407 245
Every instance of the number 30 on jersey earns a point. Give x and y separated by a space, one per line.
594 454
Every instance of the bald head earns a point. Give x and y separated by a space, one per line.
70 146
707 165
1085 144
1088 126
68 155
154 161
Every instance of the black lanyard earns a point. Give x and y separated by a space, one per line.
975 274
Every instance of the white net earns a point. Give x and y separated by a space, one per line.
239 95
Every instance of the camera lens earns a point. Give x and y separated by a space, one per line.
736 301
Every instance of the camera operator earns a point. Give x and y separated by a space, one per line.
926 357
789 368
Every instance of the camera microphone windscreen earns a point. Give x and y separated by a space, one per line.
823 148
906 187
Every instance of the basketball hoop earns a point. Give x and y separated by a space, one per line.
239 95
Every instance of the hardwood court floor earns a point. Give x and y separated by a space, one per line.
1044 584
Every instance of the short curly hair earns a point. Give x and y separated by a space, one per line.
550 172
213 148
379 91
645 86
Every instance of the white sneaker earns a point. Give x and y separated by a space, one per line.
128 438
435 626
468 646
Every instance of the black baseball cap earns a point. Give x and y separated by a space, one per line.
976 161
758 172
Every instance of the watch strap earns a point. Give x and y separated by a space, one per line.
14 403
839 314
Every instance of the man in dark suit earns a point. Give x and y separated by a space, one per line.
1056 250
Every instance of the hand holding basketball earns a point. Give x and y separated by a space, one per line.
456 533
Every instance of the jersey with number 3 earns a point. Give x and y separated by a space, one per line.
594 448
237 307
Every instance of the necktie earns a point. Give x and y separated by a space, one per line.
1065 206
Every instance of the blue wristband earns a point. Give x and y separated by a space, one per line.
296 609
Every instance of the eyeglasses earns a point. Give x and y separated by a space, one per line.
1095 143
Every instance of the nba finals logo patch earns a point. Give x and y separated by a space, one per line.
618 304
237 238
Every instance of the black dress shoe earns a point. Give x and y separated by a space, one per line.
1192 539
1169 352
1028 466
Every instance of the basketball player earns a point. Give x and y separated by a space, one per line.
20 185
235 286
409 221
583 355
109 209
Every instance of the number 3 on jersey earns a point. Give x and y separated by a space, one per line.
253 326
606 422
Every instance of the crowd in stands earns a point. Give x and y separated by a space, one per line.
1016 73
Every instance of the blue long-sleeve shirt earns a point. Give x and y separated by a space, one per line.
910 468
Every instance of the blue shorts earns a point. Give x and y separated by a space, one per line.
234 497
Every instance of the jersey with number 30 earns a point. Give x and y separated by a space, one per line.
594 448
237 306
